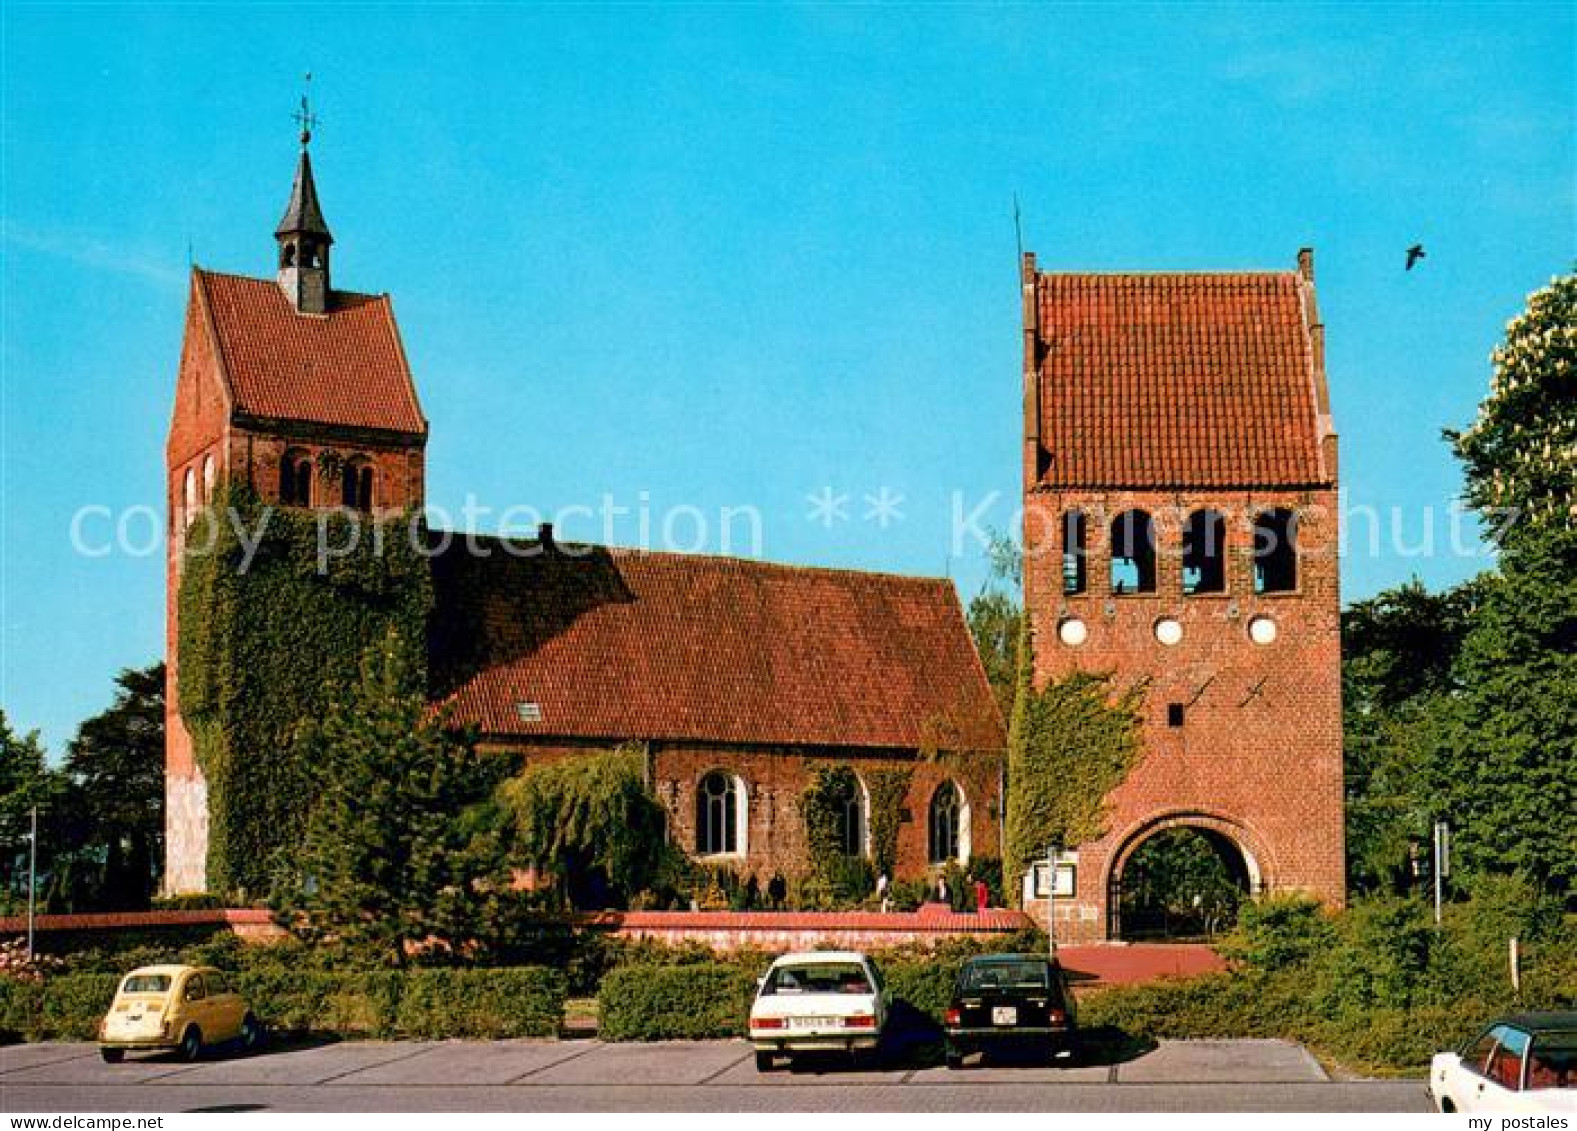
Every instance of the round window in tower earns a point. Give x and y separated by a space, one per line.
1169 631
1072 631
1262 630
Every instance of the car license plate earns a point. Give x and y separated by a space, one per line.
1004 1015
815 1022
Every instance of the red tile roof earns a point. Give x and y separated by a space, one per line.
344 368
1178 380
615 645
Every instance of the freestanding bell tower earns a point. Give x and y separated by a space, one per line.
1181 533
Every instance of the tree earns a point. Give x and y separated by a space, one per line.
25 781
113 821
1400 650
1520 454
1507 768
1506 760
994 622
398 853
1069 745
592 823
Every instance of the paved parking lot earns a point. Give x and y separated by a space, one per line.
675 1076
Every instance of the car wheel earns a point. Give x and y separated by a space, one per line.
191 1044
252 1034
764 1061
113 1056
953 1058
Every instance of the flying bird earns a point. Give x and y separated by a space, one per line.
1414 254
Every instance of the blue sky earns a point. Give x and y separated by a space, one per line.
723 257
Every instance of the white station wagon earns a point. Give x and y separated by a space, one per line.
818 1001
1526 1062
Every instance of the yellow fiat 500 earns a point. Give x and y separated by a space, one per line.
176 1007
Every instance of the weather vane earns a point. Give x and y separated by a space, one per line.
304 116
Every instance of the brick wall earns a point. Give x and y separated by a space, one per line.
1258 757
774 779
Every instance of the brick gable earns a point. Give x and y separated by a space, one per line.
345 368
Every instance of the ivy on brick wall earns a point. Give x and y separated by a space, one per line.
888 789
276 608
1069 745
821 805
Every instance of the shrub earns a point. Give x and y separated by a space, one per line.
491 1004
927 986
352 1004
19 1007
73 1005
691 1002
190 901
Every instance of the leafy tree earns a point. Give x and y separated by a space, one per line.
994 622
592 822
113 821
25 781
1070 744
399 853
1398 673
1521 451
1507 767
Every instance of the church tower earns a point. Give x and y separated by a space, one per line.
1180 532
300 393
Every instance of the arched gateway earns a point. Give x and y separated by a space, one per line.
1241 851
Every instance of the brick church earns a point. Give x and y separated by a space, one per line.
1179 485
1180 531
738 676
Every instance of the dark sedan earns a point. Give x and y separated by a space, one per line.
1006 1001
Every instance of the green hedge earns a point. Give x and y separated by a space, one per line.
927 986
430 1004
522 1002
698 1001
663 1003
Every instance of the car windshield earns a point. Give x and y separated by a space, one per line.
818 978
1025 975
1553 1061
146 984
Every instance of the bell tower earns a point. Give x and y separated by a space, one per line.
303 235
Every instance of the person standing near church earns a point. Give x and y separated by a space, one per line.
882 884
982 895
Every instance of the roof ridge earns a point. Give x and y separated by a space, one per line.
716 559
1221 273
338 291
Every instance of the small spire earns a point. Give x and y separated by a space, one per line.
304 214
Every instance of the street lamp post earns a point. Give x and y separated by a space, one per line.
32 878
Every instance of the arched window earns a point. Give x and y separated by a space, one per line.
189 496
1074 534
948 835
1133 553
1276 551
295 479
1205 553
208 480
719 815
850 818
357 487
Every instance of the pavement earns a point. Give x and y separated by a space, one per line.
675 1076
